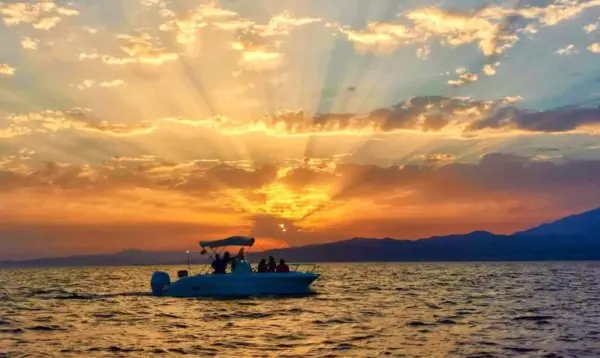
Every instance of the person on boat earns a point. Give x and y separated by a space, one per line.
262 266
241 265
216 262
272 265
226 260
239 258
283 267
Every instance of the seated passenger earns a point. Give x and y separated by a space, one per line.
215 262
272 265
219 264
226 260
262 266
282 267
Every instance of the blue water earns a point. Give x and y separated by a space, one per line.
412 310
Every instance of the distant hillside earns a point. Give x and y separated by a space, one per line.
123 258
476 246
576 237
584 224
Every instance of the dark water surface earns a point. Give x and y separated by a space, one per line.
414 310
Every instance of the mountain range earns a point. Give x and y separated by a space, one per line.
576 237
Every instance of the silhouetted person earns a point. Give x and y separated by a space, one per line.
219 264
262 266
283 267
272 265
226 259
216 262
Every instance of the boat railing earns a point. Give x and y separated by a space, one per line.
310 267
206 268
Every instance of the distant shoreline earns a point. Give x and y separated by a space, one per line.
313 262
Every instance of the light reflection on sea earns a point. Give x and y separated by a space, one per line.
414 310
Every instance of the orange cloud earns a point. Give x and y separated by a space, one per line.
313 200
6 70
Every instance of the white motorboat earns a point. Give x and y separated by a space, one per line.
242 281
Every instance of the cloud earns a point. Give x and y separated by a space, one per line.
459 29
591 27
257 57
490 69
90 29
423 52
300 202
557 120
282 24
447 116
42 15
76 118
379 38
595 47
567 51
494 29
185 27
29 43
105 84
140 49
6 70
464 77
14 131
298 191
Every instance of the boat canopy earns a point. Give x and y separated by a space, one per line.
230 241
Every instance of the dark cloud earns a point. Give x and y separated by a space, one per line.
436 113
557 120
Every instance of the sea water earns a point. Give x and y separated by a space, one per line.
411 310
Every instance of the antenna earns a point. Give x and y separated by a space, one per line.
188 258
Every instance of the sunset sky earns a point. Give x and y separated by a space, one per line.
154 124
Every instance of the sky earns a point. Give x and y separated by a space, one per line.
153 124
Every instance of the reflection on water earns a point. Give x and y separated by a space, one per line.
417 310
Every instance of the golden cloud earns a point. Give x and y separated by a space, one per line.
454 117
29 43
485 27
591 27
380 38
140 49
595 47
490 69
257 57
6 70
465 77
76 118
282 24
105 84
41 15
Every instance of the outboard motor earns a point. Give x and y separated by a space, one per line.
159 280
182 273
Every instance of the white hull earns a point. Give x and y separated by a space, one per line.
232 285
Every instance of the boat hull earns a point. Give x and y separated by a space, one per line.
232 285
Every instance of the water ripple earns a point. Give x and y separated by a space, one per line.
416 310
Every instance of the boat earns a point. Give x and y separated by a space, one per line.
242 281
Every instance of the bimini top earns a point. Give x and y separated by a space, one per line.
230 241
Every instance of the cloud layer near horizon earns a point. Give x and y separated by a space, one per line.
296 122
312 200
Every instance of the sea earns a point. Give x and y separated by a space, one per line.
545 309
